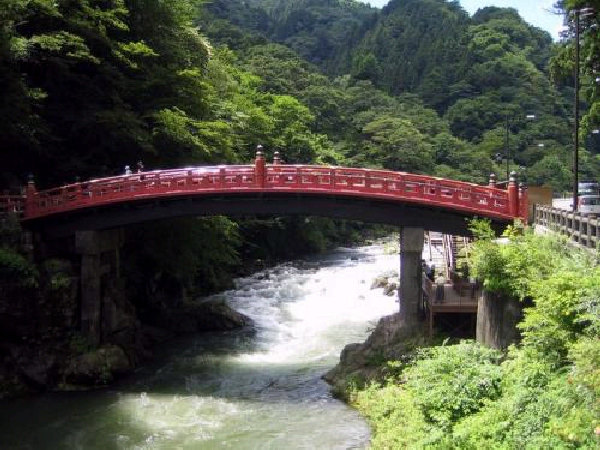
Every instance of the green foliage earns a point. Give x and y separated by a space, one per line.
199 253
397 145
10 232
443 385
396 420
451 382
563 62
565 300
57 275
283 238
16 270
512 265
544 394
79 344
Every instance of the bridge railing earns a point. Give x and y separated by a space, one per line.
137 186
580 228
261 177
382 183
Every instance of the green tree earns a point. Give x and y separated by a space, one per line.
396 144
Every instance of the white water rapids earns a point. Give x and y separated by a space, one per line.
238 390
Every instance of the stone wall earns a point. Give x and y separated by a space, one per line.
497 319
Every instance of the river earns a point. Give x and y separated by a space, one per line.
242 390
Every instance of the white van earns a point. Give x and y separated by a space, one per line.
589 204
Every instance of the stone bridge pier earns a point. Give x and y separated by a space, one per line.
100 260
411 273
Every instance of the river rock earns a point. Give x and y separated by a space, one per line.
200 316
218 316
40 371
379 282
98 367
361 363
390 289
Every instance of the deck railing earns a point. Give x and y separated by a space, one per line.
580 228
487 201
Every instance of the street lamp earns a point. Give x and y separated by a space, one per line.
576 138
578 12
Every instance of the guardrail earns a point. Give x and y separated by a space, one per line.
583 229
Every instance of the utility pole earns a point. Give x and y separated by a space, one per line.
576 130
506 149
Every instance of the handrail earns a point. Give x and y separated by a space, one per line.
583 229
260 177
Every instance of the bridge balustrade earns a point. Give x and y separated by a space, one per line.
582 229
261 177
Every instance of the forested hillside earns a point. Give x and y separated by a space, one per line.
419 86
484 80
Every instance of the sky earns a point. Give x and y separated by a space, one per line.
535 12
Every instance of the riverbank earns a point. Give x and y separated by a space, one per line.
541 393
364 363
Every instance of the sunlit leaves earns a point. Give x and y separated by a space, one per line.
398 145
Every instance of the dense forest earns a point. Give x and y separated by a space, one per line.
88 87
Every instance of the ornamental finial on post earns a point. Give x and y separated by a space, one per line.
523 203
259 167
513 195
30 194
493 179
30 184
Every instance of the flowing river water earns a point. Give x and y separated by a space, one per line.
241 390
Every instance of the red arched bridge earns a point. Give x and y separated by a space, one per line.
381 196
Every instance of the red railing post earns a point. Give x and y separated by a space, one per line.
276 159
493 180
30 198
523 203
259 167
513 195
78 192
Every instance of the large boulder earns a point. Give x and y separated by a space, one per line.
120 324
361 363
97 367
217 315
200 316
